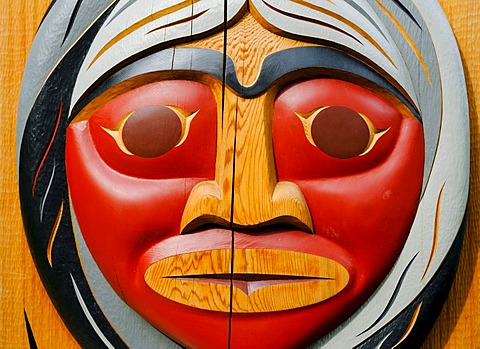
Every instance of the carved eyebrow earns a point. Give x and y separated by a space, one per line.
274 67
281 63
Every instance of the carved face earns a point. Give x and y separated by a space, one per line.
244 188
274 207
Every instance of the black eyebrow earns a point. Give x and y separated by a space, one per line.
274 67
296 59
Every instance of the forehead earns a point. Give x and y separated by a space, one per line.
249 46
255 59
135 28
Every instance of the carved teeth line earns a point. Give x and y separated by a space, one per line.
247 287
249 277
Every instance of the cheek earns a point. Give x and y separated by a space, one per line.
370 213
125 203
119 216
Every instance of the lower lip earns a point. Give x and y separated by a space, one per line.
188 271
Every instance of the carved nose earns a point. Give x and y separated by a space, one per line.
245 192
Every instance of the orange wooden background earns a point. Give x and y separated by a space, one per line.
20 286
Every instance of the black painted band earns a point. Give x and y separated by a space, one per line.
274 67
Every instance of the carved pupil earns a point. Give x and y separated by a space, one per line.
340 132
152 131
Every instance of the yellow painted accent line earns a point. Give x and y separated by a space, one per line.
141 23
53 235
435 231
116 133
308 118
410 326
408 39
307 121
50 143
347 22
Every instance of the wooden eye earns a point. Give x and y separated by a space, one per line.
152 131
340 132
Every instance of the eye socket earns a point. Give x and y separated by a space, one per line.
340 132
152 131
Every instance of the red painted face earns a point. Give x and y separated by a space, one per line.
129 202
223 217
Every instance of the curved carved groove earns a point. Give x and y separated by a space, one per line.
50 143
72 20
408 13
185 20
392 298
408 39
350 24
311 20
410 326
141 23
436 229
53 234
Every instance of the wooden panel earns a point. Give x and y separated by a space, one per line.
20 287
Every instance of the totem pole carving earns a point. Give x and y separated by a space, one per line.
262 173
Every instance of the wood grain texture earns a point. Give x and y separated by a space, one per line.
246 132
20 287
187 279
202 279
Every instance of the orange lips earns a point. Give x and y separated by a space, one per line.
264 280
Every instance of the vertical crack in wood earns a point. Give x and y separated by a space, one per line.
232 246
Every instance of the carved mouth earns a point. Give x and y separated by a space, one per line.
263 280
248 283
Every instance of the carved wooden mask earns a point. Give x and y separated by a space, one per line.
244 174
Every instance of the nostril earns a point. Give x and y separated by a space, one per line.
273 226
206 222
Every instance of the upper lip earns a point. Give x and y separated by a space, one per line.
270 263
219 238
